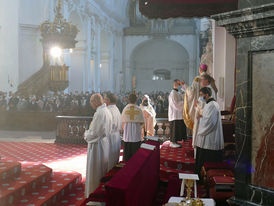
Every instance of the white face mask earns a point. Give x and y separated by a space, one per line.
201 99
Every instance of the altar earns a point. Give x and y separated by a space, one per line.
206 201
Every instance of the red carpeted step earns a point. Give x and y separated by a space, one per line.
51 192
76 197
31 176
9 170
177 158
165 172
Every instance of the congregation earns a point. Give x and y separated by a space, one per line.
72 103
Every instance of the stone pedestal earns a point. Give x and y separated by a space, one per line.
254 30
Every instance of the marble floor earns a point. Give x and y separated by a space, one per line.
27 136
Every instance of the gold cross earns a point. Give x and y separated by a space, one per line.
132 112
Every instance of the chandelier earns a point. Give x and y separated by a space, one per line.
59 32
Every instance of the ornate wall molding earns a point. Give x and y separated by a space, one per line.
248 22
88 9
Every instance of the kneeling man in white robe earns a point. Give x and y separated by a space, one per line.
98 144
133 120
210 140
114 138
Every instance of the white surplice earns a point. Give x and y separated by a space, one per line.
114 138
175 105
150 119
97 138
210 131
198 112
133 119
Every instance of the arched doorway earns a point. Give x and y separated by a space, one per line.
156 63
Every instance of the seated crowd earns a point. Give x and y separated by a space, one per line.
73 103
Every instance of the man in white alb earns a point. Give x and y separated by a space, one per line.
210 140
133 120
175 115
114 138
98 144
149 115
193 106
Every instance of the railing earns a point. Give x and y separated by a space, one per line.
70 129
162 127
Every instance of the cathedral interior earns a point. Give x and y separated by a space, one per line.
56 54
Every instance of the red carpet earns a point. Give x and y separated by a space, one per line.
51 174
41 173
176 160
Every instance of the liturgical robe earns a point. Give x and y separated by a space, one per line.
209 140
97 138
192 94
150 119
210 131
132 118
198 112
114 138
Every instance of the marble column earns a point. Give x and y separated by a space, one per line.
111 63
9 45
254 30
97 61
88 67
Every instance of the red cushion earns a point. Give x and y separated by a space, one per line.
217 172
224 180
216 165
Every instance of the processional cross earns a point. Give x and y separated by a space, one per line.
131 112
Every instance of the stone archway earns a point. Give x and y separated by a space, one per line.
154 55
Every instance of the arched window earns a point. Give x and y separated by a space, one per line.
161 74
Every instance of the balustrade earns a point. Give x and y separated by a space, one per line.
70 129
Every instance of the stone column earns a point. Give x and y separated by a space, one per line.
97 60
111 63
9 45
88 49
254 30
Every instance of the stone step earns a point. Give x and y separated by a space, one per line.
59 186
9 170
31 176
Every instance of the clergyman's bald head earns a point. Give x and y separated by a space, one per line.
96 100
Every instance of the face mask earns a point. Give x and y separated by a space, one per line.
202 99
145 102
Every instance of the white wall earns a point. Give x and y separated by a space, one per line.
30 46
191 44
9 38
158 54
30 51
161 60
145 86
224 65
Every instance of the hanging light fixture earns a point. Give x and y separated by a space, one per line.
57 34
